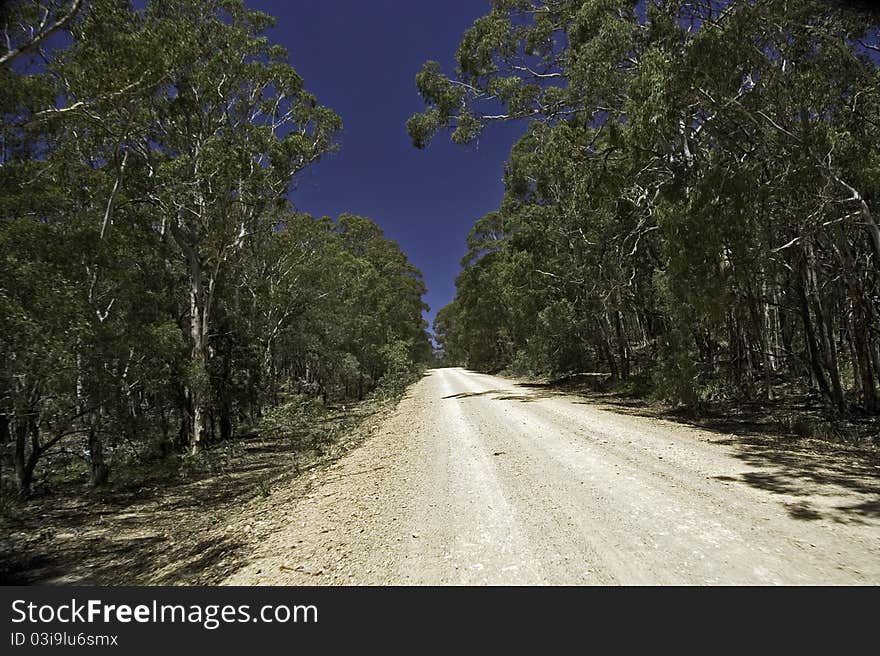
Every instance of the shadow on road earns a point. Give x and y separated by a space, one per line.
811 468
782 462
469 395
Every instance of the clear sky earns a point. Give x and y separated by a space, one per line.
360 58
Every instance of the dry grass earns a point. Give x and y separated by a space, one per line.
189 522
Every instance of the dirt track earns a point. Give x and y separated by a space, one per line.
476 479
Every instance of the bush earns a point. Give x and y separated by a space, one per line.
297 419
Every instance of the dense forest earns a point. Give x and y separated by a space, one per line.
692 207
158 291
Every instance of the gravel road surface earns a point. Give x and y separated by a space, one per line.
476 479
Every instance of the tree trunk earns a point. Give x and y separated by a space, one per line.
858 326
810 342
5 446
875 360
199 306
99 470
622 344
199 362
608 350
185 409
736 349
863 357
225 422
761 327
787 325
25 462
163 443
22 476
829 355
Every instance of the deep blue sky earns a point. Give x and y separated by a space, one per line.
360 58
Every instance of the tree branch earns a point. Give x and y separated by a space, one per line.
42 34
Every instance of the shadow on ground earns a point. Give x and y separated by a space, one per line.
181 531
781 461
155 535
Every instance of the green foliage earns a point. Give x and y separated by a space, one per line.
156 291
297 419
689 204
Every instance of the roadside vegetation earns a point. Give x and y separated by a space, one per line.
692 208
160 298
188 519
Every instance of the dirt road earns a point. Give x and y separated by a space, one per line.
477 479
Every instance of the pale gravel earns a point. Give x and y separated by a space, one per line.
476 479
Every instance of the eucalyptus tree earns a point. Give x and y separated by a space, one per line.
699 184
229 129
154 278
389 331
27 25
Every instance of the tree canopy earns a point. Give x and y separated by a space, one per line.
156 286
693 200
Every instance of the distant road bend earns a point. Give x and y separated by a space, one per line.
476 479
